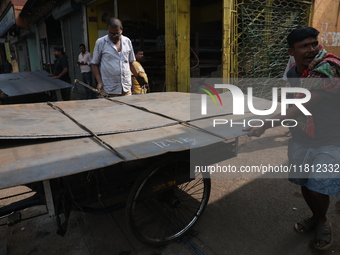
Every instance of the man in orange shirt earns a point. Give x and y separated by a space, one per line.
138 88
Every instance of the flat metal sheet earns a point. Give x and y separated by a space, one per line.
186 106
102 116
172 104
26 161
31 121
134 134
17 84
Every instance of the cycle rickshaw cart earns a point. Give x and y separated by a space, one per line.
131 151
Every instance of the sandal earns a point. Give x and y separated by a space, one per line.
323 234
305 225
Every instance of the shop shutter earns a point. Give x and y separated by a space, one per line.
73 36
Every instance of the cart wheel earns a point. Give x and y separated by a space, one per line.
164 202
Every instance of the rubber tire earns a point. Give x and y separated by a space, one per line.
168 199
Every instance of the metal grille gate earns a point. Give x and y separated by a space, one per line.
264 32
258 31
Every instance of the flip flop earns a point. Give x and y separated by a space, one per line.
323 234
307 225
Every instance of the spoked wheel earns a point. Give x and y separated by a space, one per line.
164 203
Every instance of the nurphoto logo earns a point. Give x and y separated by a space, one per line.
239 100
204 97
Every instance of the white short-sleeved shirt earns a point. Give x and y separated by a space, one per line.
86 58
291 62
114 66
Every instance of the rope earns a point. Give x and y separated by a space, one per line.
88 130
185 123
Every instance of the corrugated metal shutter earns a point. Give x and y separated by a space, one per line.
23 57
73 36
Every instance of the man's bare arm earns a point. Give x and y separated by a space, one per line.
65 70
136 73
96 73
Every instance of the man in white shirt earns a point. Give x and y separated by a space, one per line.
113 58
84 62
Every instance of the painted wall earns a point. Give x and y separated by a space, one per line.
96 20
326 19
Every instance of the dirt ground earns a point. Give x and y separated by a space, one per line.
245 216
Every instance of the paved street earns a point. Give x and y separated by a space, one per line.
244 217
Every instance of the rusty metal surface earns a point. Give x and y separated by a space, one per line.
26 161
102 116
130 131
17 84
